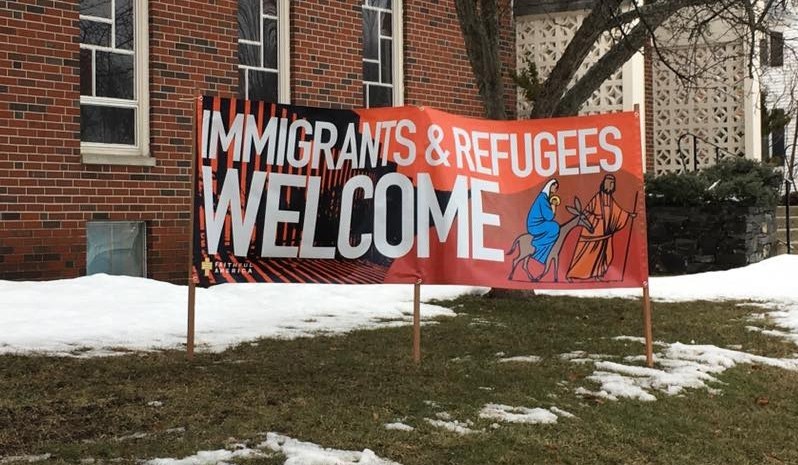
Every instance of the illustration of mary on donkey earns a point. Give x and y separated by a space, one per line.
540 221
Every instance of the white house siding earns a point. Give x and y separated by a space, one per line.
781 83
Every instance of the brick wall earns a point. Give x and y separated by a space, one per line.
47 195
437 70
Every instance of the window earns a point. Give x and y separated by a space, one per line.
776 49
116 247
382 53
777 133
263 50
113 81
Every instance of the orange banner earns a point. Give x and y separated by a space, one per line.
298 194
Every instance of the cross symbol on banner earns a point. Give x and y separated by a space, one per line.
207 266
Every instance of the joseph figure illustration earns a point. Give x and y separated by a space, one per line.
593 253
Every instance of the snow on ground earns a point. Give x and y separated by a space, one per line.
682 366
24 458
521 359
101 312
398 426
509 414
455 426
295 452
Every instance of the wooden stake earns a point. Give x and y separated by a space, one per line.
647 326
192 292
192 286
417 322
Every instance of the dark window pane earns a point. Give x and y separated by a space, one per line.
371 71
249 20
386 24
85 72
124 24
270 7
114 75
262 85
778 143
270 43
109 125
94 33
380 96
242 83
777 134
100 8
380 3
248 54
370 34
776 49
386 64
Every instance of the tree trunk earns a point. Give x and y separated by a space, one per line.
480 27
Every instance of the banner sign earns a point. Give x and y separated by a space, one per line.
395 195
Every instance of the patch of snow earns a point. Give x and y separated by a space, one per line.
209 457
454 426
398 426
562 413
446 416
509 414
521 359
296 453
24 458
83 317
682 366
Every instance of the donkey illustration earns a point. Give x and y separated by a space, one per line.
526 250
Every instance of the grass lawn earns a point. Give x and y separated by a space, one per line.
339 392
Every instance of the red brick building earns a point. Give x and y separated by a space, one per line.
95 116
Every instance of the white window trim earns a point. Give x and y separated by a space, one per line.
139 153
283 53
398 54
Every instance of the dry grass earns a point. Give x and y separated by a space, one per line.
339 391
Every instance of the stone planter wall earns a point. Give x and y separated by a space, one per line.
697 239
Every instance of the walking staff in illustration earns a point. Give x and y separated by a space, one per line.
594 251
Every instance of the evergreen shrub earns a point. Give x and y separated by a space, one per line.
734 181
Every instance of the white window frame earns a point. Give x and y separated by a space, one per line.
283 52
397 45
139 152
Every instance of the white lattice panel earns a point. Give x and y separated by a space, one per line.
543 38
711 106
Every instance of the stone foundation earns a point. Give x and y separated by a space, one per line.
718 237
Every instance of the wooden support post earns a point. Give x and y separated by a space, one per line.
195 106
192 293
647 326
417 322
